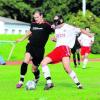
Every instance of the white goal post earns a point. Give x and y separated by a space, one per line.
13 43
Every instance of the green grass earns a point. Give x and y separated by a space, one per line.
64 88
5 48
20 48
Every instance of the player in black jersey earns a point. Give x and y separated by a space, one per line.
75 51
37 36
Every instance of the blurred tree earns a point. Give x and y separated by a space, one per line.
22 9
95 6
15 9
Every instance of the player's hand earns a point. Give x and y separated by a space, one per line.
53 26
90 35
18 40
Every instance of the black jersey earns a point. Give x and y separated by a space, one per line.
40 34
76 45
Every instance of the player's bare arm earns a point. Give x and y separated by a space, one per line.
24 37
85 32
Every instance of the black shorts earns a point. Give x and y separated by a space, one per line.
36 53
76 46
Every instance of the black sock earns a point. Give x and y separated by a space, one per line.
23 70
78 57
74 59
36 74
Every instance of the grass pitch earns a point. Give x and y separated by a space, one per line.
64 88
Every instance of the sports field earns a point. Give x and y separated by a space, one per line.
64 88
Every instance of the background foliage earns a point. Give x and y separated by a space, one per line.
70 9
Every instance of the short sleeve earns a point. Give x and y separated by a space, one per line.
49 29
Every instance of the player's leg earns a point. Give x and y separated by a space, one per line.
66 64
85 60
85 52
36 62
36 73
74 59
73 51
46 72
78 56
23 69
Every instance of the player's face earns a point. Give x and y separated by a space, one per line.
56 18
37 17
87 29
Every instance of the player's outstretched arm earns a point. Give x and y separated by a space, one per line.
24 37
87 33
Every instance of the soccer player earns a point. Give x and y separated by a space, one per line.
76 51
65 39
37 36
85 42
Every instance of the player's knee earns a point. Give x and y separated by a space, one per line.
67 68
34 69
43 63
27 58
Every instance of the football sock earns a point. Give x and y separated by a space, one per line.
46 73
74 59
78 57
74 77
75 62
21 79
37 75
23 71
85 62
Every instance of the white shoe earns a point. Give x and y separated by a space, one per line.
79 86
84 67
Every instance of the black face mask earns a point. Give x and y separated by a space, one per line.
57 22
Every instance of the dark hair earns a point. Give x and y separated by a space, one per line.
39 11
59 16
59 20
87 27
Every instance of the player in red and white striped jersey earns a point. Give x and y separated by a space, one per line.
86 43
65 39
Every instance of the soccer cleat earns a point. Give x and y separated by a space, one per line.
83 67
75 65
79 86
48 86
36 80
19 85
